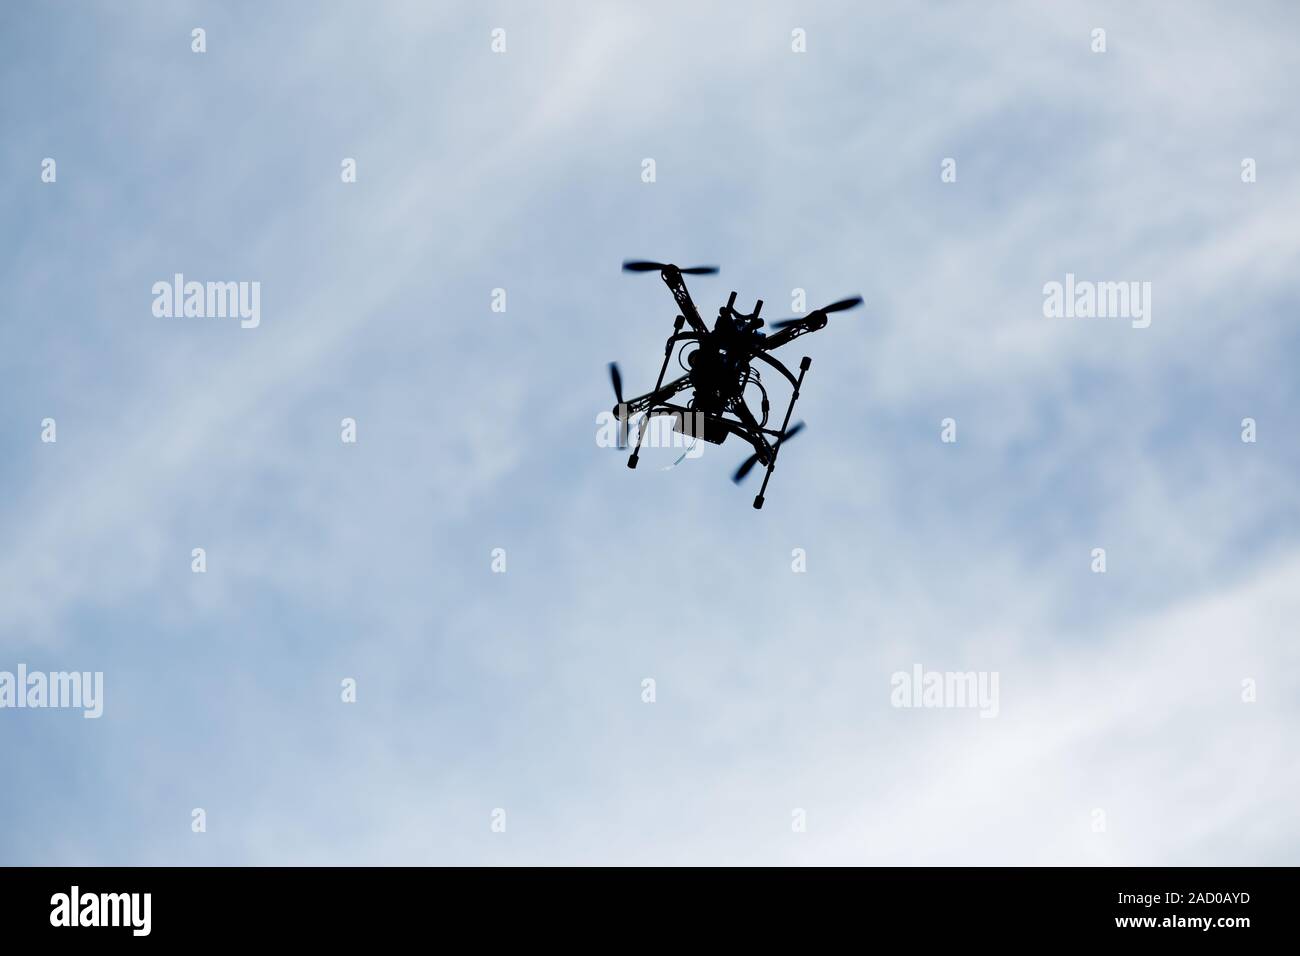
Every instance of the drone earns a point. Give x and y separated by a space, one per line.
719 368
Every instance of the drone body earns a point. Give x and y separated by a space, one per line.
718 371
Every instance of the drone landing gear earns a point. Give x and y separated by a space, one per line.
668 351
803 368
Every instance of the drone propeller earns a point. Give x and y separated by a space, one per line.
616 379
638 265
839 306
747 465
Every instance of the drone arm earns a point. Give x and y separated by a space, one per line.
754 431
646 402
673 279
811 323
764 357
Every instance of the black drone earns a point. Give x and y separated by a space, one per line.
718 370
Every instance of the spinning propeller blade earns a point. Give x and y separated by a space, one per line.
616 379
744 469
839 306
639 265
748 464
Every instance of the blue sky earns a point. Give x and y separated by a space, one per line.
476 430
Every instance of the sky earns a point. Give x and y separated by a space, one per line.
1147 715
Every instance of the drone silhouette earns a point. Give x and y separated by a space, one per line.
718 370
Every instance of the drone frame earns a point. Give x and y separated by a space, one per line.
656 403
